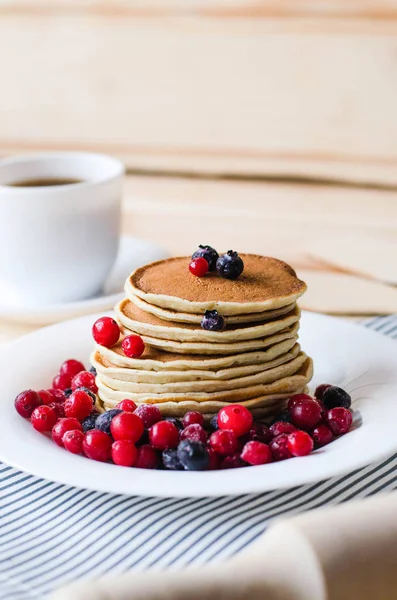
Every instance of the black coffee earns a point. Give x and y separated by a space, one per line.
49 181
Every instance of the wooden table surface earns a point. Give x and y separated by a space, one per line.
269 217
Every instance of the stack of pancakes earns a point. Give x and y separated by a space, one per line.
255 360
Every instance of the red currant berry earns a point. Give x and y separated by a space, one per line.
214 461
322 435
223 441
59 409
260 432
320 389
147 458
133 346
58 395
300 443
106 332
340 420
164 435
192 417
281 427
97 445
198 267
279 447
26 402
306 413
256 453
323 408
194 432
127 426
78 405
62 426
71 367
233 461
124 453
73 441
84 379
126 405
61 381
297 398
45 396
43 418
235 418
149 414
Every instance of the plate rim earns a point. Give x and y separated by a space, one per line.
183 484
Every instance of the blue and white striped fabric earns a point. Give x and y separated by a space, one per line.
51 534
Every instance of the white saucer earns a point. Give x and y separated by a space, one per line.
362 361
133 253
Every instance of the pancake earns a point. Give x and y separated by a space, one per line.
292 380
265 284
269 375
181 317
106 367
270 406
255 360
212 348
156 361
143 323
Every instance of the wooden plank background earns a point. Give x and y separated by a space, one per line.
269 218
224 8
258 88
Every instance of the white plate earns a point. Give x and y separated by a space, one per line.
362 361
133 253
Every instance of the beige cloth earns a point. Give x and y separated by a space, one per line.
347 552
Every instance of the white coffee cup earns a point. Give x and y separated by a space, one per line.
58 242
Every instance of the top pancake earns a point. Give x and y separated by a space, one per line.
265 284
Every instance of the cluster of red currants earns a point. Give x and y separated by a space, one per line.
139 436
106 332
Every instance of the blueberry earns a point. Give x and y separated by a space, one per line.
175 421
68 392
103 421
93 370
193 455
87 391
89 422
171 460
210 255
230 265
282 417
212 321
335 396
214 423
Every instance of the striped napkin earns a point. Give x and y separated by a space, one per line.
51 534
